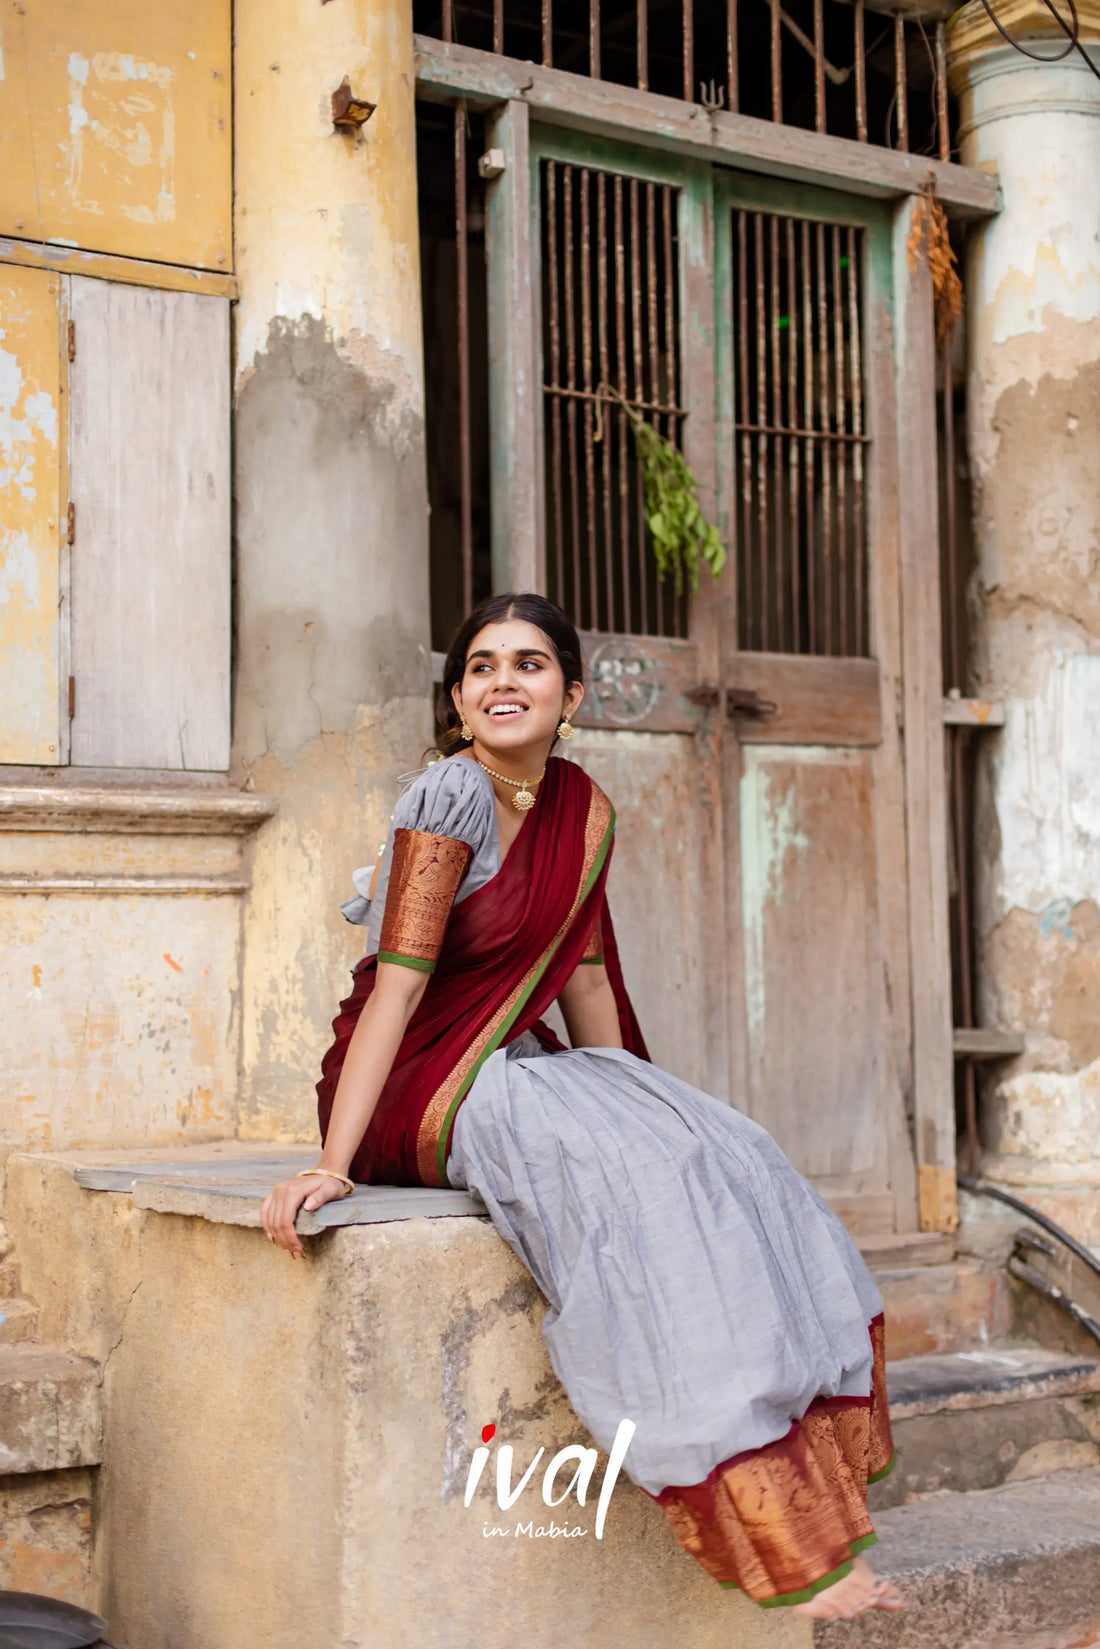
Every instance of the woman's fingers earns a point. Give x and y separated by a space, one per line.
278 1213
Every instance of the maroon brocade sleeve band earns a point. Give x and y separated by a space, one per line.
424 879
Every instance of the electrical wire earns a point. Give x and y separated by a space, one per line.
1072 30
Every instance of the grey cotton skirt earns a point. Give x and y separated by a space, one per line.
697 1284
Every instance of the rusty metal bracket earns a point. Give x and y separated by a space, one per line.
349 112
706 696
746 701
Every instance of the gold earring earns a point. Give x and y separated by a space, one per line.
565 728
465 731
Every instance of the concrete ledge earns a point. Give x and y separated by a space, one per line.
982 1379
50 1416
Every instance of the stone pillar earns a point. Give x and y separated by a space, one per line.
332 630
1033 292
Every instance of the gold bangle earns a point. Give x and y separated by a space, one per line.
348 1184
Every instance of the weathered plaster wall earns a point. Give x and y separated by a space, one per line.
332 696
1033 285
287 1461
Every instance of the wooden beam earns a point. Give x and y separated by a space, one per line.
69 260
515 378
621 112
972 1043
925 798
973 713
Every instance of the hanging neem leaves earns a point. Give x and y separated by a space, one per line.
682 535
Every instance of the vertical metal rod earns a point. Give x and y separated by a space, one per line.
941 92
689 51
777 63
827 443
547 34
760 419
594 38
589 409
605 406
861 74
950 521
746 595
733 90
653 351
448 30
498 26
959 815
638 395
901 84
794 447
571 383
671 389
624 389
809 422
643 44
855 345
775 418
463 284
841 448
554 376
819 64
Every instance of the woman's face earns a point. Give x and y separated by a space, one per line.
512 692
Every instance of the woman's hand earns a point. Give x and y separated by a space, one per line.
280 1207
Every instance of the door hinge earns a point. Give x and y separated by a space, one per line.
72 340
70 523
746 701
72 697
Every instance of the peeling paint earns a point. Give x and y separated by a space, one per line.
770 834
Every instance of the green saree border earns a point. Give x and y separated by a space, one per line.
884 1471
506 1024
417 962
786 1600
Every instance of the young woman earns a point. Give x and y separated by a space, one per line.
696 1283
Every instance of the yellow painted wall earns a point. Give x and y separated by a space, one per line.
31 451
116 127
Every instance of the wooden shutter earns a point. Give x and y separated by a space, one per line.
150 483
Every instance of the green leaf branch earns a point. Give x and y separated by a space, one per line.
682 535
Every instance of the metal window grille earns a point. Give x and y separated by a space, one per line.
800 439
610 316
852 68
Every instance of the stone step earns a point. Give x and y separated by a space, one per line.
963 1306
973 1419
18 1320
50 1410
1014 1567
893 1249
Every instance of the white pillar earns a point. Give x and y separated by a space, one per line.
1033 293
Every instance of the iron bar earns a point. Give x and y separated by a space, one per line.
861 74
594 38
605 378
463 286
777 62
639 389
498 27
689 50
819 65
856 347
652 346
746 600
643 45
761 417
547 34
942 127
842 437
448 29
840 453
620 373
733 94
795 443
555 374
809 419
901 85
825 410
776 441
571 379
586 364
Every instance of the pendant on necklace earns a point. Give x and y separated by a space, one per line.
523 799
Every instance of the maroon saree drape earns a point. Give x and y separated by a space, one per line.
508 950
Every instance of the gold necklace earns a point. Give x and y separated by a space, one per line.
524 797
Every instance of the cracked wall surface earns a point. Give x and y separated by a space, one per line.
332 647
1033 284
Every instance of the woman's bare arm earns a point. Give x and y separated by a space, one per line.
367 1063
589 1008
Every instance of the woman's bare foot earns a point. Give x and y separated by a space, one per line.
860 1589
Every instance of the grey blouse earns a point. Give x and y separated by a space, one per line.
453 797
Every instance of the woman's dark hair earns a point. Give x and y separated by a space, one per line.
533 609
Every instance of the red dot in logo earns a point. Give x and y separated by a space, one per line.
488 1433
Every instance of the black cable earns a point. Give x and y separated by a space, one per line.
1071 30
